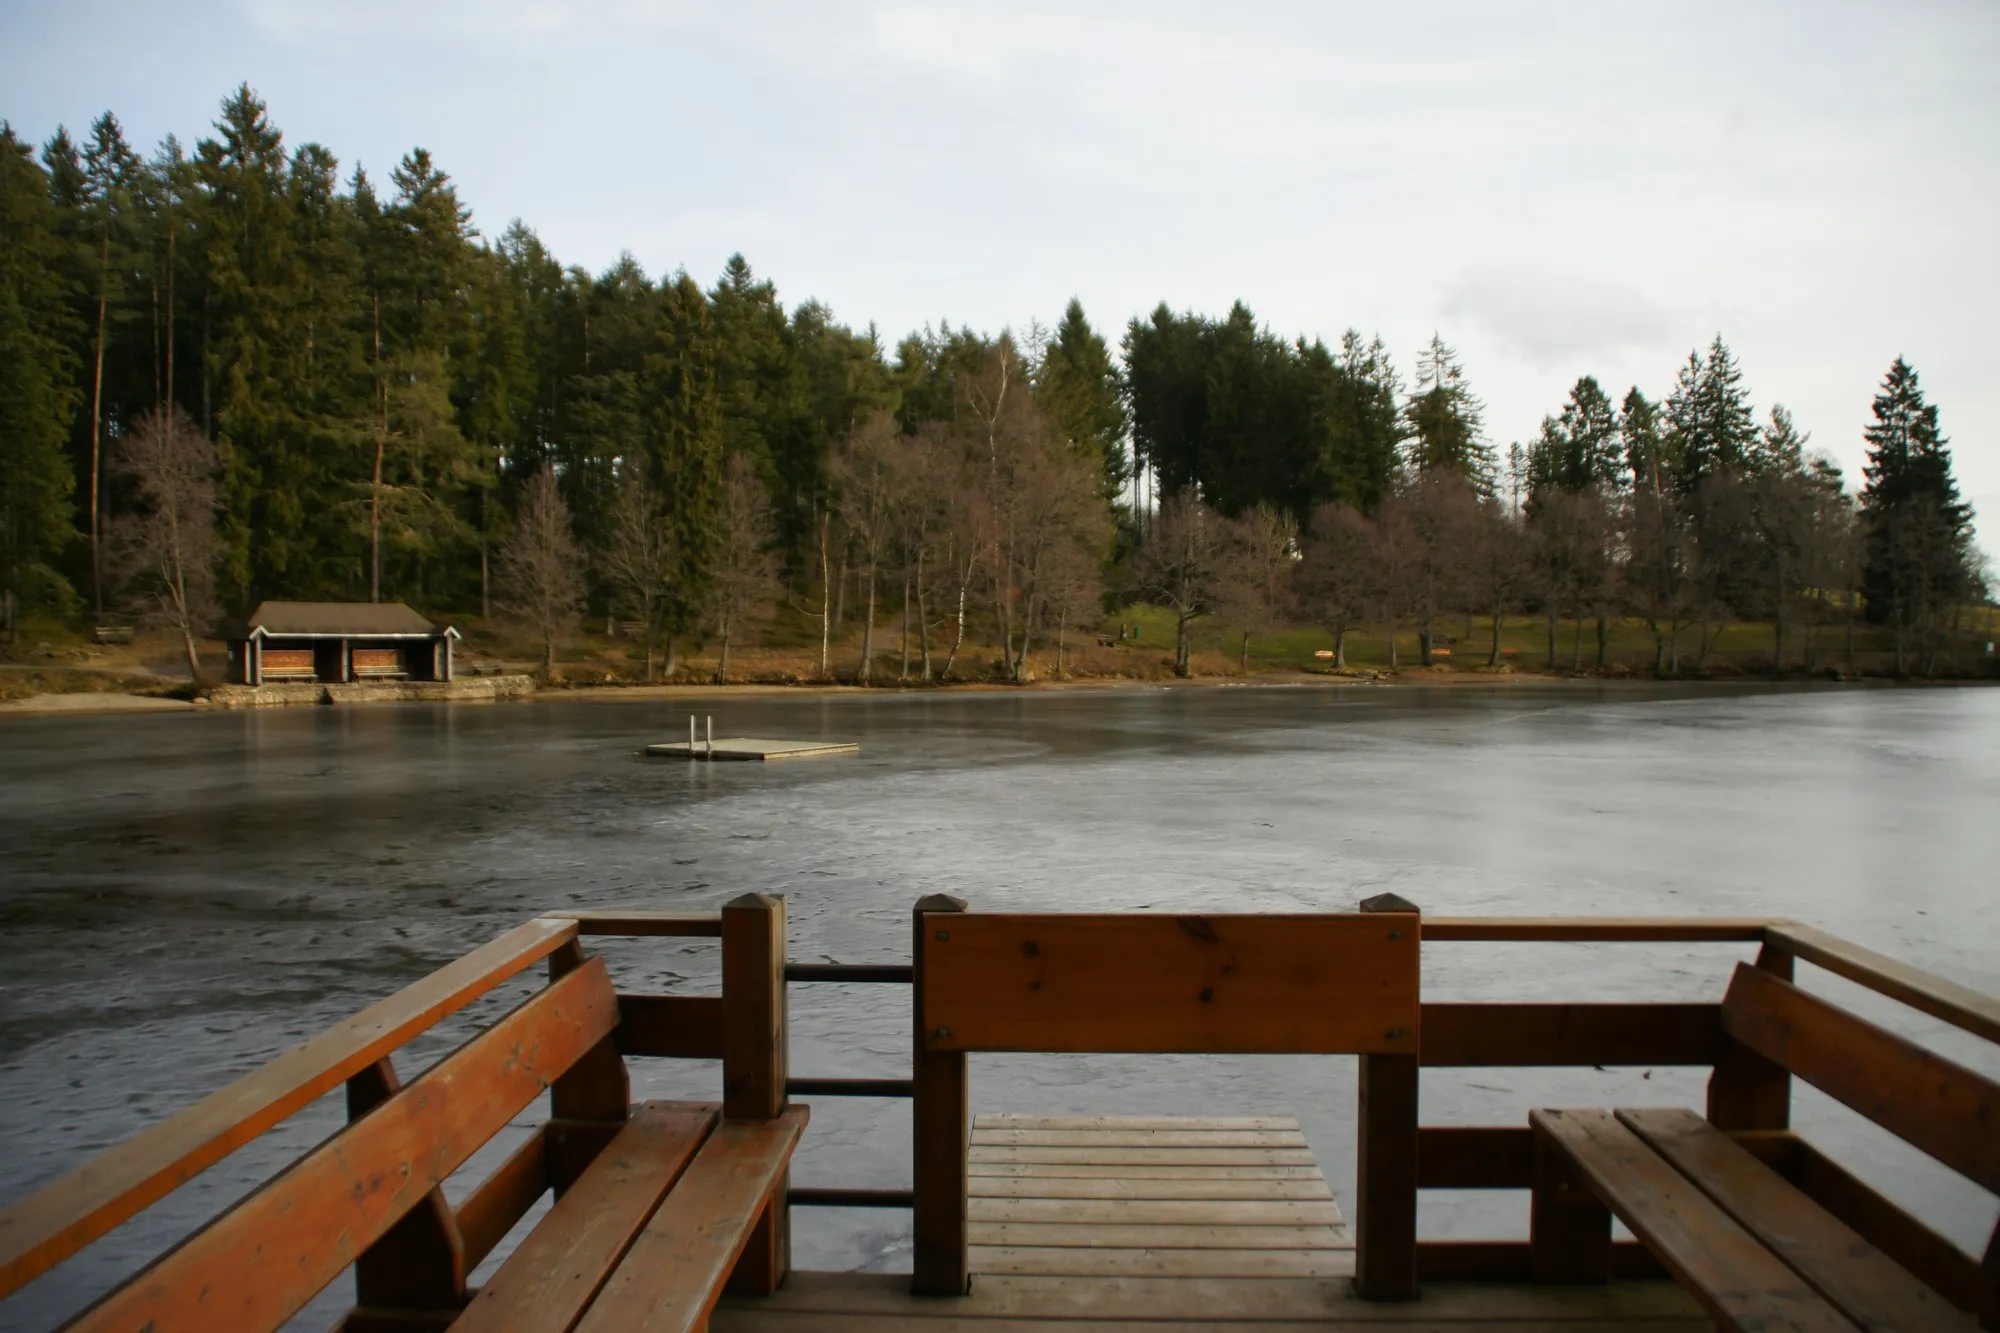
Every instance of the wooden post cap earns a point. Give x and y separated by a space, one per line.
1389 902
940 902
756 902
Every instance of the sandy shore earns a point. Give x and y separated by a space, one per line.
96 701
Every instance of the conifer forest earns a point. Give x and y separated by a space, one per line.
239 370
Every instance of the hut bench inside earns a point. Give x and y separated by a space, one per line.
338 642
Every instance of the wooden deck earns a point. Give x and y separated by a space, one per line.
853 1302
1168 1223
1150 1196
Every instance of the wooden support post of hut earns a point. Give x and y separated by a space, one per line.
336 643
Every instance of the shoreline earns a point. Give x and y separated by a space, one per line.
107 703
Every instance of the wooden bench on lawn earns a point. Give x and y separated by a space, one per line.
1728 1213
657 1208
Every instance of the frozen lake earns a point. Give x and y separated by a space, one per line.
184 896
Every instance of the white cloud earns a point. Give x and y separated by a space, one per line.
1546 316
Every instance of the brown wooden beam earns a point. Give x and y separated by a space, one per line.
685 1027
938 1127
1497 1035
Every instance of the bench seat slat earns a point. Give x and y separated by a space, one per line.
546 1284
1738 1281
263 1260
1873 1290
675 1270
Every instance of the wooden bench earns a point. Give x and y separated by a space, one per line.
1750 1244
656 1209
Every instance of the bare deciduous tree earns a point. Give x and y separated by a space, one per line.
744 576
1262 597
865 476
1187 563
1335 578
164 547
636 557
541 579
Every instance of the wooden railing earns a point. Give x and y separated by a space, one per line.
746 1027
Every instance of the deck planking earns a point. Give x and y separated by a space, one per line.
1150 1196
1326 1303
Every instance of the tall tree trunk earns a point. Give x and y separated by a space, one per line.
1243 659
1576 649
1493 652
1603 639
1340 647
722 662
825 593
958 634
905 673
375 486
1393 664
97 420
1184 646
923 618
1554 632
868 630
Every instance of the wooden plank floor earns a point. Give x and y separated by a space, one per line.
864 1302
1150 1196
1165 1224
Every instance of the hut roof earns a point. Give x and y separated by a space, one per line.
357 620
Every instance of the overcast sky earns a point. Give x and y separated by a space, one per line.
1560 190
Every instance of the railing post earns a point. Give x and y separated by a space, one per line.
1747 1090
1385 1192
419 1263
754 1064
937 1133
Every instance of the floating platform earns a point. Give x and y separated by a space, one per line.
750 748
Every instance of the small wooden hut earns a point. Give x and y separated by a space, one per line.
338 642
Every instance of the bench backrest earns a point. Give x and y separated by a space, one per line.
1945 1109
1325 984
307 1225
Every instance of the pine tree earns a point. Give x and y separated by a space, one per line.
1078 387
1917 531
1708 421
1444 420
37 388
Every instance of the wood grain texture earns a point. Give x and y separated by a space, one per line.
674 1271
1135 1303
1112 1155
984 1136
938 1124
685 925
1742 1284
556 1272
1475 1157
1008 1120
419 1262
1068 1261
1157 983
1163 1170
1958 1005
1247 1212
260 1262
1589 929
681 1027
1511 1035
1865 1284
503 1199
1947 1110
69 1213
1064 1187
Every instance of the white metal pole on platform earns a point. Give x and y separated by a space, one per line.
711 736
690 735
